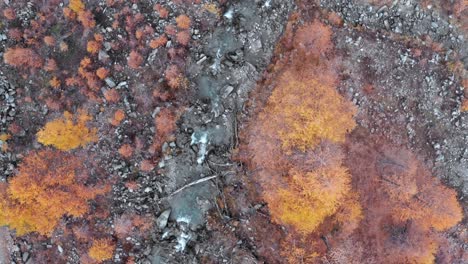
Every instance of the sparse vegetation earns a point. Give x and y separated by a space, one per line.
233 131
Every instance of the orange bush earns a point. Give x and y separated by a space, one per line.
102 73
158 42
67 132
63 46
49 41
119 115
293 146
22 57
47 187
112 95
76 5
102 249
55 82
183 22
165 122
68 13
93 46
464 106
85 62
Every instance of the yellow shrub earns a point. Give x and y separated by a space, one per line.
67 133
76 5
102 249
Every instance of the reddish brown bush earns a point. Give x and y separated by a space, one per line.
22 57
86 18
9 13
183 38
146 165
15 34
314 38
174 77
50 65
126 151
404 204
134 60
112 95
162 11
49 41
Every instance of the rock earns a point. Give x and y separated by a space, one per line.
109 82
226 91
103 56
107 46
200 61
25 256
256 45
163 218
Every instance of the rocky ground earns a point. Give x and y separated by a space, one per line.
403 65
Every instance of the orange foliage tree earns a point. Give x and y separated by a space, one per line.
303 112
406 207
309 197
430 203
67 132
295 142
49 185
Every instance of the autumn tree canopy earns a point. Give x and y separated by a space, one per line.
309 197
49 185
295 142
405 206
303 112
